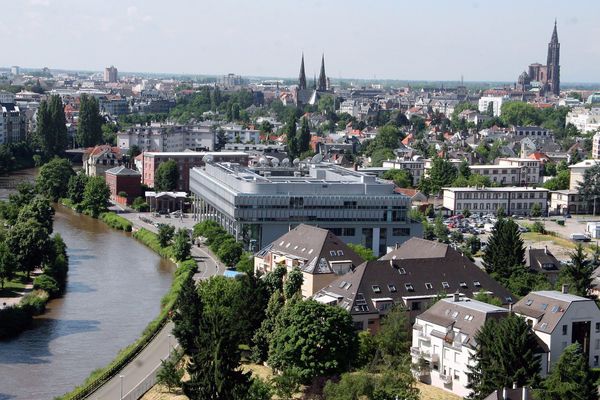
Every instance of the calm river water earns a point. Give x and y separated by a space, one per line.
114 290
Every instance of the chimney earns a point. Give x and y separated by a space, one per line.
510 306
545 249
456 297
524 393
504 393
397 245
564 289
514 385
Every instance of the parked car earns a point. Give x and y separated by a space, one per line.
580 237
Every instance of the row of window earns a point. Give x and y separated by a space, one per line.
501 195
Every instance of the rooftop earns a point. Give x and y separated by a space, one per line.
495 189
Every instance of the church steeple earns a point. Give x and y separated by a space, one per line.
322 85
302 76
553 63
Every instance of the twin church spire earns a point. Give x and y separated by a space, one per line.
321 83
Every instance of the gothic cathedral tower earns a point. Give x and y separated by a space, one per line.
302 77
553 64
322 83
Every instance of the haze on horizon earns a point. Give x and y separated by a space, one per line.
383 39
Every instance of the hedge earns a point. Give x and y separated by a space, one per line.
150 239
116 221
98 377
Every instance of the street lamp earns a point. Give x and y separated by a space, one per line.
121 377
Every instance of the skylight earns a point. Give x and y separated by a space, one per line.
529 302
445 285
409 286
392 288
463 284
428 285
402 271
544 306
476 283
555 309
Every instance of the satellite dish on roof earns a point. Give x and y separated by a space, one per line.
263 161
296 161
317 158
274 162
285 162
207 158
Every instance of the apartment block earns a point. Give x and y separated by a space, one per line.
514 200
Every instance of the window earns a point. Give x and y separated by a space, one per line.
469 317
529 302
477 284
392 288
555 309
597 344
544 326
564 345
340 253
332 253
415 305
402 271
342 284
409 287
597 327
544 306
595 361
463 285
445 285
428 285
376 288
564 329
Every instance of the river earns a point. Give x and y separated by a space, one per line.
114 289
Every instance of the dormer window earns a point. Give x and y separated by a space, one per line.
392 288
445 285
463 285
376 288
409 287
476 283
332 253
428 286
402 271
340 253
529 302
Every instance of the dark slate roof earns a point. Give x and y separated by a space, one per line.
415 275
536 258
319 248
547 306
415 248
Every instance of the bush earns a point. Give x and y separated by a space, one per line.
538 227
140 205
122 194
561 222
48 284
35 302
116 221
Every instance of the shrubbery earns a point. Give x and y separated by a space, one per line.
48 284
116 221
221 243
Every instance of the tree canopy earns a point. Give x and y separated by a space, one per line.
166 178
89 127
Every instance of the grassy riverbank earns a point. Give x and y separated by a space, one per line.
115 221
100 376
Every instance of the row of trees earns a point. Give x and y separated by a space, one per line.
298 143
179 241
223 245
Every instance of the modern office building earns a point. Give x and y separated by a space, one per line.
258 205
110 74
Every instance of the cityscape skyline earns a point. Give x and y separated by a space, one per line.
138 36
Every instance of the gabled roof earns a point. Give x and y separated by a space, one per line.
122 171
319 248
536 258
421 269
547 306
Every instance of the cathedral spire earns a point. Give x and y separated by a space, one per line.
302 76
554 34
553 63
322 86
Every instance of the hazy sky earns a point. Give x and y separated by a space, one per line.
426 39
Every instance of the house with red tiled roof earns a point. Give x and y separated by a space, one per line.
408 139
538 155
415 195
97 160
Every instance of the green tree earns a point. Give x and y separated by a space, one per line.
505 249
442 173
29 242
589 188
51 127
53 179
186 316
570 377
505 355
286 384
89 126
169 374
536 210
578 273
293 147
246 263
401 177
181 245
215 368
378 156
262 336
166 177
165 234
362 251
8 264
558 182
95 196
38 209
393 339
304 137
520 113
486 297
76 187
440 230
293 283
303 330
230 252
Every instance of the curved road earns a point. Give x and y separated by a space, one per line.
159 348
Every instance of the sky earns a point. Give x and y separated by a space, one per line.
481 40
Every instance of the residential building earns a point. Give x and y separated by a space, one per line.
496 101
514 200
415 166
444 336
586 120
235 133
317 252
185 160
13 123
560 319
413 275
349 107
230 80
531 131
114 105
97 160
578 171
596 145
110 74
568 202
542 261
159 137
122 179
266 201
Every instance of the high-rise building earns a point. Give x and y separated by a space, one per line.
15 70
110 74
553 64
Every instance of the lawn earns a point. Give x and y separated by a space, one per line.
432 393
14 287
538 237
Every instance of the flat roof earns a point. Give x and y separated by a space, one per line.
475 305
193 153
495 189
553 294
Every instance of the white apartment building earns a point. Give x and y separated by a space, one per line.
238 134
514 200
560 319
511 171
497 102
596 146
166 137
577 172
443 341
415 167
583 119
349 106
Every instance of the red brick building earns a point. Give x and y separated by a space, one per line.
185 160
121 179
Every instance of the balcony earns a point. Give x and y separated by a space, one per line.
446 379
424 336
415 352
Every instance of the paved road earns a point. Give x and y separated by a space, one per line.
158 349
